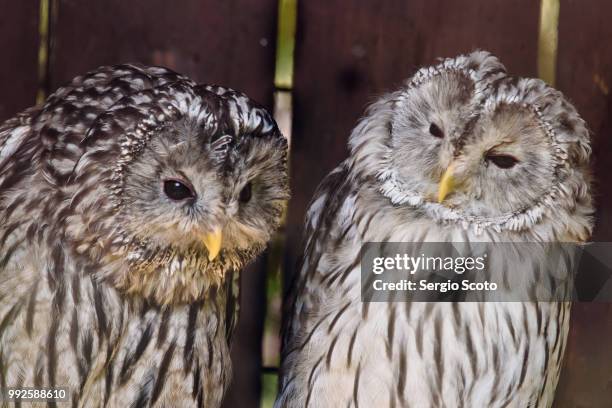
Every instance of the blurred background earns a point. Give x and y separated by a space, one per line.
316 64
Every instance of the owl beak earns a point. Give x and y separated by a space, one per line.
212 242
447 183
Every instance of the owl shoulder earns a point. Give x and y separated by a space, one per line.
329 202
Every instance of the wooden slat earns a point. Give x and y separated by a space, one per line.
348 52
245 389
584 74
226 42
19 45
586 377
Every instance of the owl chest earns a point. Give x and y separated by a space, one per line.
107 350
177 356
483 354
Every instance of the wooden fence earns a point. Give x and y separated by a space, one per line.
346 53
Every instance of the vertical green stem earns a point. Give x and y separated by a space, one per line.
548 40
285 45
43 50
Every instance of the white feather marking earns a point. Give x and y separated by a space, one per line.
13 142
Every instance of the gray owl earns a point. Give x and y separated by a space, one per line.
461 153
128 204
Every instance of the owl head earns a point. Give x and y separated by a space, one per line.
177 185
464 143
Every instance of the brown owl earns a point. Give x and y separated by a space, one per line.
128 204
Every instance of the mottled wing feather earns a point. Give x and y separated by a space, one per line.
321 230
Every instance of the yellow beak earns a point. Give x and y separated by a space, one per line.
212 242
447 183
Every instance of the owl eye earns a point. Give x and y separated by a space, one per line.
246 193
177 190
503 161
435 131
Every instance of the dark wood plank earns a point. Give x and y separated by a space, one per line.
584 74
225 42
19 45
586 378
348 52
245 389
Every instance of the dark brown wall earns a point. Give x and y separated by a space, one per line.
211 41
584 74
19 50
